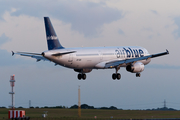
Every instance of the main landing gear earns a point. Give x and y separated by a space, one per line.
116 75
81 76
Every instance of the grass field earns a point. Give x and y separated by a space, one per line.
90 113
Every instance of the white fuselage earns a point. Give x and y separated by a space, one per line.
95 58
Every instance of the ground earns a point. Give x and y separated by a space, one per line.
91 113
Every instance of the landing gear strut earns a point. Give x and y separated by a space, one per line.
116 75
138 75
81 76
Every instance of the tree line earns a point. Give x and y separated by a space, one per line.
85 106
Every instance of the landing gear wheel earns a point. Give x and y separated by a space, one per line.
83 76
118 76
138 75
114 76
79 76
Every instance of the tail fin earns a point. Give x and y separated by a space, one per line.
52 39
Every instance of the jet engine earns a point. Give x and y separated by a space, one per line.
136 68
83 70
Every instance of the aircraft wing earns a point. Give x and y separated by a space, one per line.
127 61
37 56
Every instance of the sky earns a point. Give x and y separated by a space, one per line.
152 24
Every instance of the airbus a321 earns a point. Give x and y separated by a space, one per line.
84 60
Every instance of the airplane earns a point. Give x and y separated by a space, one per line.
84 60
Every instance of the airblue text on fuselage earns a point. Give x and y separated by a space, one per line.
130 52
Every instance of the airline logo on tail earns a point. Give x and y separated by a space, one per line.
52 38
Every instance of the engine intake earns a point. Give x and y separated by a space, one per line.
136 68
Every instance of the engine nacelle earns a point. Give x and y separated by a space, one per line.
83 70
136 68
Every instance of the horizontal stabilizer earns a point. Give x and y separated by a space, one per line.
29 53
37 56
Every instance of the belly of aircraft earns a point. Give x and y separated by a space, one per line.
86 62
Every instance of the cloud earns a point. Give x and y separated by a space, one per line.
154 11
120 31
24 31
6 57
87 17
84 16
177 31
7 60
4 39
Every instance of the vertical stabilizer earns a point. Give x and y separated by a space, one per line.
52 39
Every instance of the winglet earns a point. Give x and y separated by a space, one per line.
167 51
13 53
